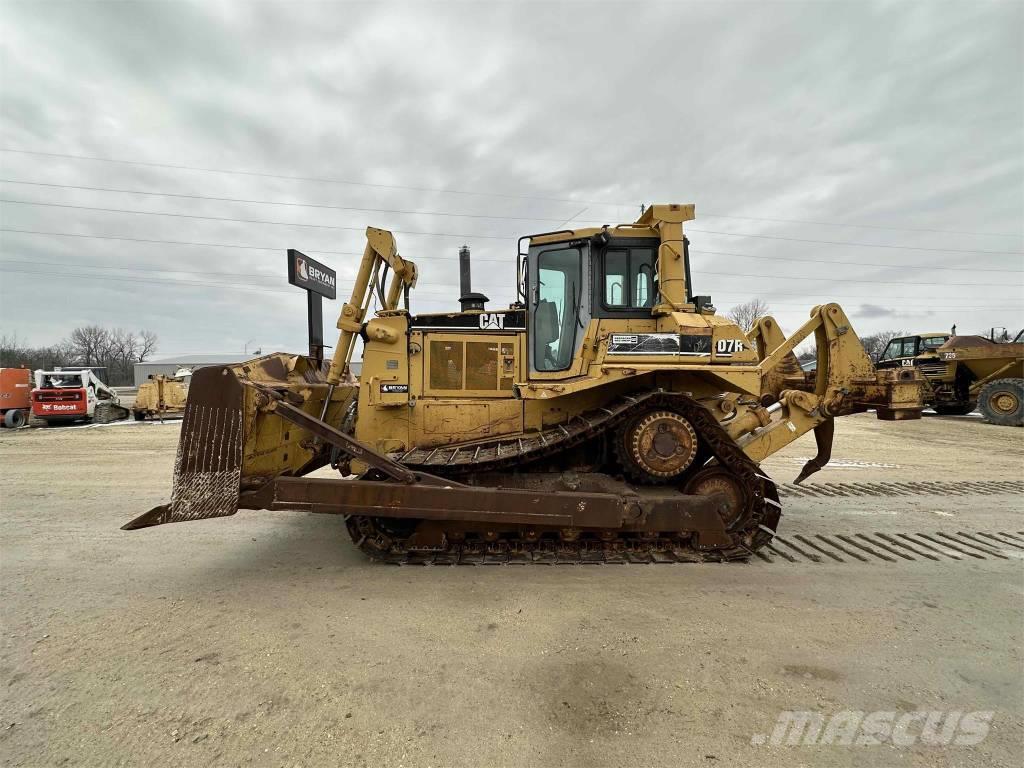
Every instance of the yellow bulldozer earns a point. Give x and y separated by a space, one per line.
608 415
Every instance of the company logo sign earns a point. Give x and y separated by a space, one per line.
310 274
855 728
492 321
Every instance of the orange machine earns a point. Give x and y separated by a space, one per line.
15 391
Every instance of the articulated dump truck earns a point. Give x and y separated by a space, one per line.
608 415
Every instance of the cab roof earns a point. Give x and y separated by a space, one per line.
620 230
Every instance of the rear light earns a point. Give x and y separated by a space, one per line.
58 395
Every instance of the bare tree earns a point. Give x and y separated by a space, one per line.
746 314
876 343
11 350
15 354
123 351
90 344
117 350
147 345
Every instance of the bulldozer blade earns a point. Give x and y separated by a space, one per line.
823 434
208 466
230 440
155 516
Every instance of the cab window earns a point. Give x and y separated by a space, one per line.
557 298
933 342
629 279
616 279
893 350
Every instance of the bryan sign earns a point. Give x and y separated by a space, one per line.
310 274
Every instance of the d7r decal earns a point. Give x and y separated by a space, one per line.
728 346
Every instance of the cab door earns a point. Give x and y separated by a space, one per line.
899 353
559 308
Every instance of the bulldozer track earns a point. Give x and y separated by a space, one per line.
878 547
753 530
921 488
512 452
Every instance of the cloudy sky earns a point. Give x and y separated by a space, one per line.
867 153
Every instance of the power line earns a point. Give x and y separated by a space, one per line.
463 235
418 290
485 194
857 296
225 245
858 299
320 179
847 280
504 261
167 242
859 245
861 226
234 287
480 216
137 269
190 283
281 202
477 258
162 270
173 282
459 235
853 263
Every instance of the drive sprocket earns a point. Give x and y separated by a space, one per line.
656 446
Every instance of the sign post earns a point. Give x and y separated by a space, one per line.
318 281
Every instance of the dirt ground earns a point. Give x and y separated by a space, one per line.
267 639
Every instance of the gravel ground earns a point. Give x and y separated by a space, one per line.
267 639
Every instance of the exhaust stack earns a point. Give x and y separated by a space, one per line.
467 298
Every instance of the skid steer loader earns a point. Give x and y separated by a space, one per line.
609 415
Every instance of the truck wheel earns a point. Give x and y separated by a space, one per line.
139 415
15 418
955 409
1002 402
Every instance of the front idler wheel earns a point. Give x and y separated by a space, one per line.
717 479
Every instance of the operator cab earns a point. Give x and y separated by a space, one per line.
62 381
570 282
902 351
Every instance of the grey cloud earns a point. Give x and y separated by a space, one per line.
899 114
874 310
